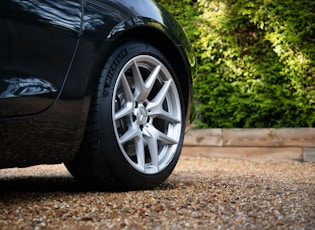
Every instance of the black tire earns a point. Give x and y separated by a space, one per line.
134 135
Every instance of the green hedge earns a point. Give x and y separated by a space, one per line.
256 61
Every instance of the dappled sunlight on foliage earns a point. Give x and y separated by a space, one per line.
256 61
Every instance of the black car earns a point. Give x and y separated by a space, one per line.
103 86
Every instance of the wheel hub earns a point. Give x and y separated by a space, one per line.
142 115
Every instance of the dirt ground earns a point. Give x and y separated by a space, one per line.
202 193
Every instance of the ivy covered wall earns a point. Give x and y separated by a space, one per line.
256 61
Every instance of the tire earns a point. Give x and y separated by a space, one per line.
135 129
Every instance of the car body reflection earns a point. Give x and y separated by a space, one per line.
58 13
19 87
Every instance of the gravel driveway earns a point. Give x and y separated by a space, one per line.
201 193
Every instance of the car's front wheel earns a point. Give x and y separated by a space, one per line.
135 128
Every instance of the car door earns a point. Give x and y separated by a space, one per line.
38 39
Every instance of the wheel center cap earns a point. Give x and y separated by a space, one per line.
142 115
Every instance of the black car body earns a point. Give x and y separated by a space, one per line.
52 54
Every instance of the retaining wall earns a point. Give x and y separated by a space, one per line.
263 144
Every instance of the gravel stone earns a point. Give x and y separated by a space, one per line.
201 193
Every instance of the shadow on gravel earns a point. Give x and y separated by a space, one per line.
40 184
64 183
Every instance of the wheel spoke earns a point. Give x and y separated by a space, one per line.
124 111
158 135
155 106
126 88
134 134
139 147
128 106
130 134
149 83
166 139
153 135
159 98
154 152
162 114
143 89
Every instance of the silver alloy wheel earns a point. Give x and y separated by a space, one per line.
146 111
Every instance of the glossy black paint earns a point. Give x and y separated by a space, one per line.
51 53
39 39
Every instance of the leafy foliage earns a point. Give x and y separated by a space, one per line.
256 61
